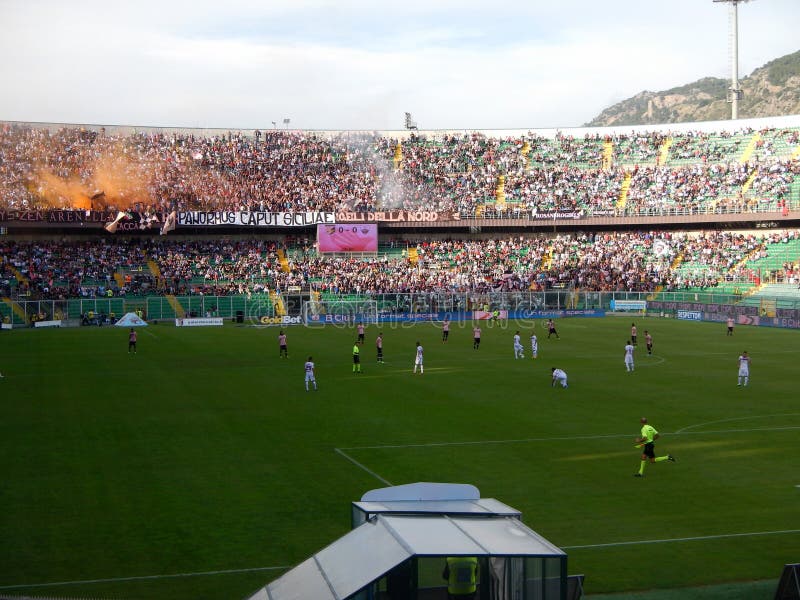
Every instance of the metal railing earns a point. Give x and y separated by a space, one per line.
766 207
255 308
104 310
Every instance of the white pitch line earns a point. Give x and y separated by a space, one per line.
141 577
481 442
661 360
561 439
640 362
283 568
395 372
736 419
360 466
685 539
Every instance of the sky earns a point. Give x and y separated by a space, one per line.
361 64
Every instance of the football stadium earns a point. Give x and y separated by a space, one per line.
497 364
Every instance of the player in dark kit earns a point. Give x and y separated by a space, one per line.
132 341
379 347
551 329
283 348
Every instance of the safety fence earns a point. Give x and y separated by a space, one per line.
258 307
103 310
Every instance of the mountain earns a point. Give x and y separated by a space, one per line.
769 91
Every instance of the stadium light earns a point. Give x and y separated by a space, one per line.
286 122
734 92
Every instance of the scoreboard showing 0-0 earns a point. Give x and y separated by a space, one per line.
348 237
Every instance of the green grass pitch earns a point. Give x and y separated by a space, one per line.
201 468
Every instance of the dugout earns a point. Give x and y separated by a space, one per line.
400 541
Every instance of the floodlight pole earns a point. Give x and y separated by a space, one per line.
735 89
734 92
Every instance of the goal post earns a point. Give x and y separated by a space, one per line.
328 312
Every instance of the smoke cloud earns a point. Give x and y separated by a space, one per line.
109 179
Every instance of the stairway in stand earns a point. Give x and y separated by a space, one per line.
500 193
283 261
277 302
608 155
751 147
14 271
156 272
413 256
622 201
663 152
176 305
16 308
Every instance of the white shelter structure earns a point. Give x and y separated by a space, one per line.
402 537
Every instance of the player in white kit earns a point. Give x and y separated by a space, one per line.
519 351
744 369
629 356
559 376
534 345
309 368
418 361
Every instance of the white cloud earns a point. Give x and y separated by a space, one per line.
362 64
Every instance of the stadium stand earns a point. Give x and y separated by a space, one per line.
620 261
634 177
664 172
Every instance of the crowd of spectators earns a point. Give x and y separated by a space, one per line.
297 171
642 262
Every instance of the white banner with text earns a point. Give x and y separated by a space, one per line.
199 322
232 218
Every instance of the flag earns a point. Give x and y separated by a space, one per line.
169 223
147 221
661 248
112 226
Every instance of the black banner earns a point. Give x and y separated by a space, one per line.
57 216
